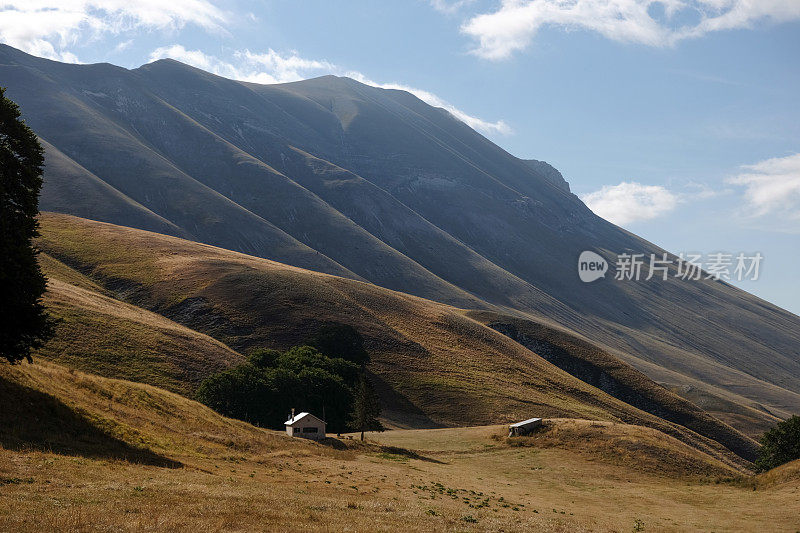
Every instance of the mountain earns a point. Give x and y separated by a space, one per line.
374 185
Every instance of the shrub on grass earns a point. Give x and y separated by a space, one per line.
780 444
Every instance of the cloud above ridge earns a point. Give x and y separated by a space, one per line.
514 24
631 202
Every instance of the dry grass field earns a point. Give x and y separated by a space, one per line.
97 454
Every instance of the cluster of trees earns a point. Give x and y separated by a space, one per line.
325 376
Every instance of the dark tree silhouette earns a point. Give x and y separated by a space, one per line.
24 325
366 408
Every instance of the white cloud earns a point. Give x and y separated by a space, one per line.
631 202
269 67
651 22
272 67
46 28
122 46
282 68
772 187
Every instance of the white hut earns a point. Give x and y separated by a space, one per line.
306 426
524 427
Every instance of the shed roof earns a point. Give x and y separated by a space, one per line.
301 416
525 422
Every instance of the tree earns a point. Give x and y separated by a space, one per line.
780 444
340 341
299 358
366 408
242 392
264 357
24 324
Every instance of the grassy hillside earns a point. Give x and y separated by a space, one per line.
636 447
100 334
788 474
432 364
95 454
73 413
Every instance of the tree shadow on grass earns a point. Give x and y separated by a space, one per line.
33 420
411 454
331 442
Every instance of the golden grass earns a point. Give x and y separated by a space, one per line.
635 447
103 335
235 477
784 474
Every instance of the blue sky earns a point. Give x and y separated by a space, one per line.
678 119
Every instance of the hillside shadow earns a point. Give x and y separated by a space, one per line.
32 420
398 408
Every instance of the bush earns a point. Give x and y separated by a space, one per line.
780 444
244 392
264 358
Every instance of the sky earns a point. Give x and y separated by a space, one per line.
678 120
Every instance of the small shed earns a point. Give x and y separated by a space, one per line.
524 427
306 426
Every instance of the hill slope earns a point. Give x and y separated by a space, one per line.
600 369
339 177
100 334
433 364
